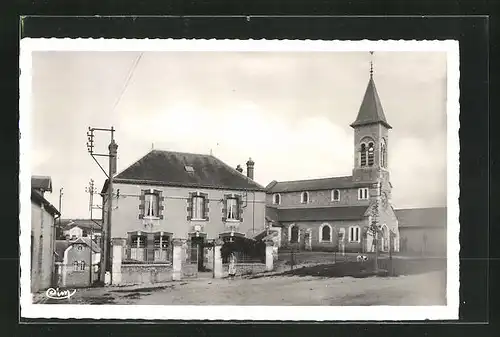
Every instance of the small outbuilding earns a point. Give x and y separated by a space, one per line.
78 262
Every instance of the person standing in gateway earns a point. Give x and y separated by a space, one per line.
232 266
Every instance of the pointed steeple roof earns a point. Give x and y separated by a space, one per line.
371 111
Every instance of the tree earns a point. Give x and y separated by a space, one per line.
375 230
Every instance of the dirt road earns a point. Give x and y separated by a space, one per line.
421 289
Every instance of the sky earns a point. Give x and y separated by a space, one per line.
289 111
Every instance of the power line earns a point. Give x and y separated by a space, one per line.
127 81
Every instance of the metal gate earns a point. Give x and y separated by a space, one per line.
190 260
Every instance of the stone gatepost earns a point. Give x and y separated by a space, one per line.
177 260
116 265
269 254
218 269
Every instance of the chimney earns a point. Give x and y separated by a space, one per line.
113 151
250 165
239 168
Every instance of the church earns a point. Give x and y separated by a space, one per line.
334 214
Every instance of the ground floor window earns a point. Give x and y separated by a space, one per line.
354 234
78 265
149 246
325 233
294 234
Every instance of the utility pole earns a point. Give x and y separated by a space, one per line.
91 190
106 246
60 205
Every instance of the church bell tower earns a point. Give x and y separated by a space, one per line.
371 139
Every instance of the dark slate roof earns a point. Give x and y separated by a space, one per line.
313 184
42 183
272 214
95 224
371 110
62 245
322 214
168 168
40 200
422 217
88 242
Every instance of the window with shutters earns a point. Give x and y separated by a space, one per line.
232 209
198 211
151 206
197 206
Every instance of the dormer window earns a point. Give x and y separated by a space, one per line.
335 195
277 199
304 197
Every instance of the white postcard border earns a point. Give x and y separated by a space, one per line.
264 313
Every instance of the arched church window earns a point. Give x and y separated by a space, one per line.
305 197
326 233
294 234
335 195
363 155
277 199
383 152
371 154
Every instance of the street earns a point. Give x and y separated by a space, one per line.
420 289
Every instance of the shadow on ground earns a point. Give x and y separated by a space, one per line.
386 267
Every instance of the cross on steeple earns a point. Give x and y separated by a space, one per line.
371 64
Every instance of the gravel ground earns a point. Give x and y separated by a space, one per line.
420 289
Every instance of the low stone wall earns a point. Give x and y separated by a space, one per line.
246 268
145 273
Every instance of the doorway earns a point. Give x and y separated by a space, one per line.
197 251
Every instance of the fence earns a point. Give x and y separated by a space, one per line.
147 255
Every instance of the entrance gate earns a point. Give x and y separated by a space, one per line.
189 263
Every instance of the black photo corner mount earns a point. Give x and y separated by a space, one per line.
472 34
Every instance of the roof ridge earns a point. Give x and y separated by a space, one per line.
301 180
183 152
415 208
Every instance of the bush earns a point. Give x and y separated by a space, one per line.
243 248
